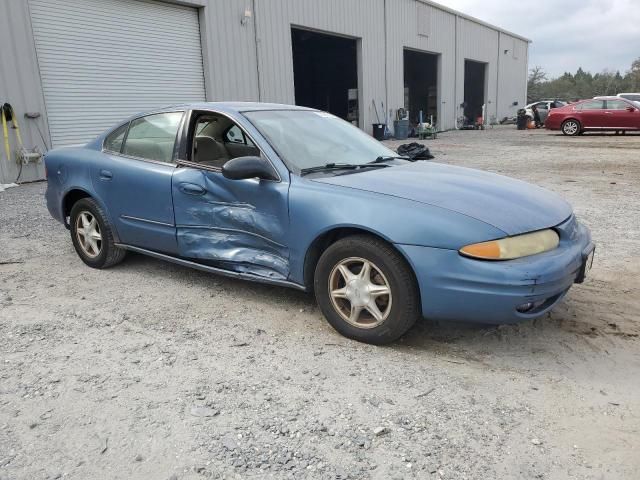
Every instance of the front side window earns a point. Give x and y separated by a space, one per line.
153 137
592 105
307 139
113 142
216 139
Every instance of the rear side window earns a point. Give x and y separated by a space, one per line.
617 105
153 137
113 142
592 105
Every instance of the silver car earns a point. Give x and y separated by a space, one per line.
543 107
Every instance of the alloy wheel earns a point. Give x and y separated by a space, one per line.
570 127
360 292
88 234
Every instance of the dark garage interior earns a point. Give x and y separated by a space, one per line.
421 85
474 88
325 70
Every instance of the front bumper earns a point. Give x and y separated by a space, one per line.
454 287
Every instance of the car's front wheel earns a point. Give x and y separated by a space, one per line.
571 127
366 290
92 235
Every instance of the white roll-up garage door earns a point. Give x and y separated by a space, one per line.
104 60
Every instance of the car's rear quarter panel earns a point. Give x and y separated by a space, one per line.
69 169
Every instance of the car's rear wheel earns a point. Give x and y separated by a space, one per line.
366 290
571 127
92 235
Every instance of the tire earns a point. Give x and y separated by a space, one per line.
398 310
571 127
88 217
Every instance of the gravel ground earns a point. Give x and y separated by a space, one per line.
153 371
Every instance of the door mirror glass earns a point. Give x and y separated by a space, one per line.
248 167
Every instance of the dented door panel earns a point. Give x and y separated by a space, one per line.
240 225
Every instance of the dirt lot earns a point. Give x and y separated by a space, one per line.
153 371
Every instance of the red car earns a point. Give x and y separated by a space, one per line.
602 113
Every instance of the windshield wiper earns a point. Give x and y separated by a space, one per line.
386 158
339 166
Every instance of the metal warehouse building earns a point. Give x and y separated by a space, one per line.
72 68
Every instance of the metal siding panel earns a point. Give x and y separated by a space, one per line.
20 86
480 43
512 77
402 32
99 66
231 64
362 19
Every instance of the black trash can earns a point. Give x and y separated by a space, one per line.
521 119
378 130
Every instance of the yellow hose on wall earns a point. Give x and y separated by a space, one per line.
5 132
7 110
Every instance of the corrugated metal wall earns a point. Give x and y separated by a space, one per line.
404 19
512 75
250 57
478 43
229 50
20 85
362 19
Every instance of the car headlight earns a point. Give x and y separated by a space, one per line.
513 247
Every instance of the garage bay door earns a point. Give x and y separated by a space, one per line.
104 60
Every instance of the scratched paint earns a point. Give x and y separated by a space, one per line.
239 251
237 225
238 216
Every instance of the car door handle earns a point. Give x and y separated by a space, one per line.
105 175
192 189
609 113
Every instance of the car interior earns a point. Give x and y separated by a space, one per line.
217 139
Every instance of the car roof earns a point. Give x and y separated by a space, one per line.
237 106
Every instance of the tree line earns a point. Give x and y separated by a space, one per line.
582 84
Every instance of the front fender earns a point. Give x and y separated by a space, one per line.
316 208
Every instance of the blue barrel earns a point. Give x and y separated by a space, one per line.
401 129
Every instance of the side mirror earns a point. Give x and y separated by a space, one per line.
241 168
631 109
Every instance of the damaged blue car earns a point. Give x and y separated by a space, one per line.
296 197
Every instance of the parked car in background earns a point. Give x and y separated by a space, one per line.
299 198
597 114
635 97
544 107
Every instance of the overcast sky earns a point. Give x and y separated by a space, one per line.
592 34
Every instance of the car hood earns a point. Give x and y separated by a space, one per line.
510 205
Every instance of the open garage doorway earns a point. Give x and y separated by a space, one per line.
325 73
475 84
421 86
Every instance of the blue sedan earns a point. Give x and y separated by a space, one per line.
296 197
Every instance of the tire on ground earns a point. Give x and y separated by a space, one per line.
567 127
109 254
405 304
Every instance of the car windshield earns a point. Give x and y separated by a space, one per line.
305 139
